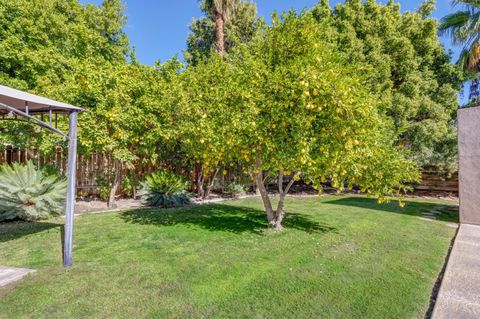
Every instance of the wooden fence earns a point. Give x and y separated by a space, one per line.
99 167
434 182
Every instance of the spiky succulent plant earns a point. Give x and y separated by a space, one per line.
30 194
165 189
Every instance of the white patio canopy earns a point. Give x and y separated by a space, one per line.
25 105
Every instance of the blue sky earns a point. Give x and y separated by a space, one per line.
158 29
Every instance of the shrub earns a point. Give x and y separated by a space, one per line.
129 185
104 186
165 189
30 194
234 189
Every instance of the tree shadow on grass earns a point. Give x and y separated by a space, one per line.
17 229
218 217
448 212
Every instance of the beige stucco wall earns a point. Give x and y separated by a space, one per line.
469 164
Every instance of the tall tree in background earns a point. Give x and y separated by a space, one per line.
220 11
413 76
240 27
464 29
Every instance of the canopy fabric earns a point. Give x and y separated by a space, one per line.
36 104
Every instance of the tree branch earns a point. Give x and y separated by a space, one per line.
291 182
265 178
217 169
280 182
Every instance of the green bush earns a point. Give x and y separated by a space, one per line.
165 189
104 185
129 185
30 194
234 189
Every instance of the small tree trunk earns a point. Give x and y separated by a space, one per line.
267 204
253 177
219 29
275 218
276 224
116 183
211 183
200 190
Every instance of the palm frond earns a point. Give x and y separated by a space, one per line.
464 29
452 23
462 26
466 3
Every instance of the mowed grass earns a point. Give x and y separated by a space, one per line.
340 257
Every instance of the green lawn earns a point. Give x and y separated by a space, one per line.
340 257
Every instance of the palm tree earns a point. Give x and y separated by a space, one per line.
464 29
220 11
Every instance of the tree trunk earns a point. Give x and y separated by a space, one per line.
275 218
267 204
211 183
263 193
219 28
253 177
279 214
199 180
116 183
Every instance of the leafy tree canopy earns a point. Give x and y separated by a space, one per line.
42 41
416 83
56 48
289 103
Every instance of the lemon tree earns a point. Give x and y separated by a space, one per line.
288 104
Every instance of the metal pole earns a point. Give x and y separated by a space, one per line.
71 187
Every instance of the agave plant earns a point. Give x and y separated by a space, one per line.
164 189
30 194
